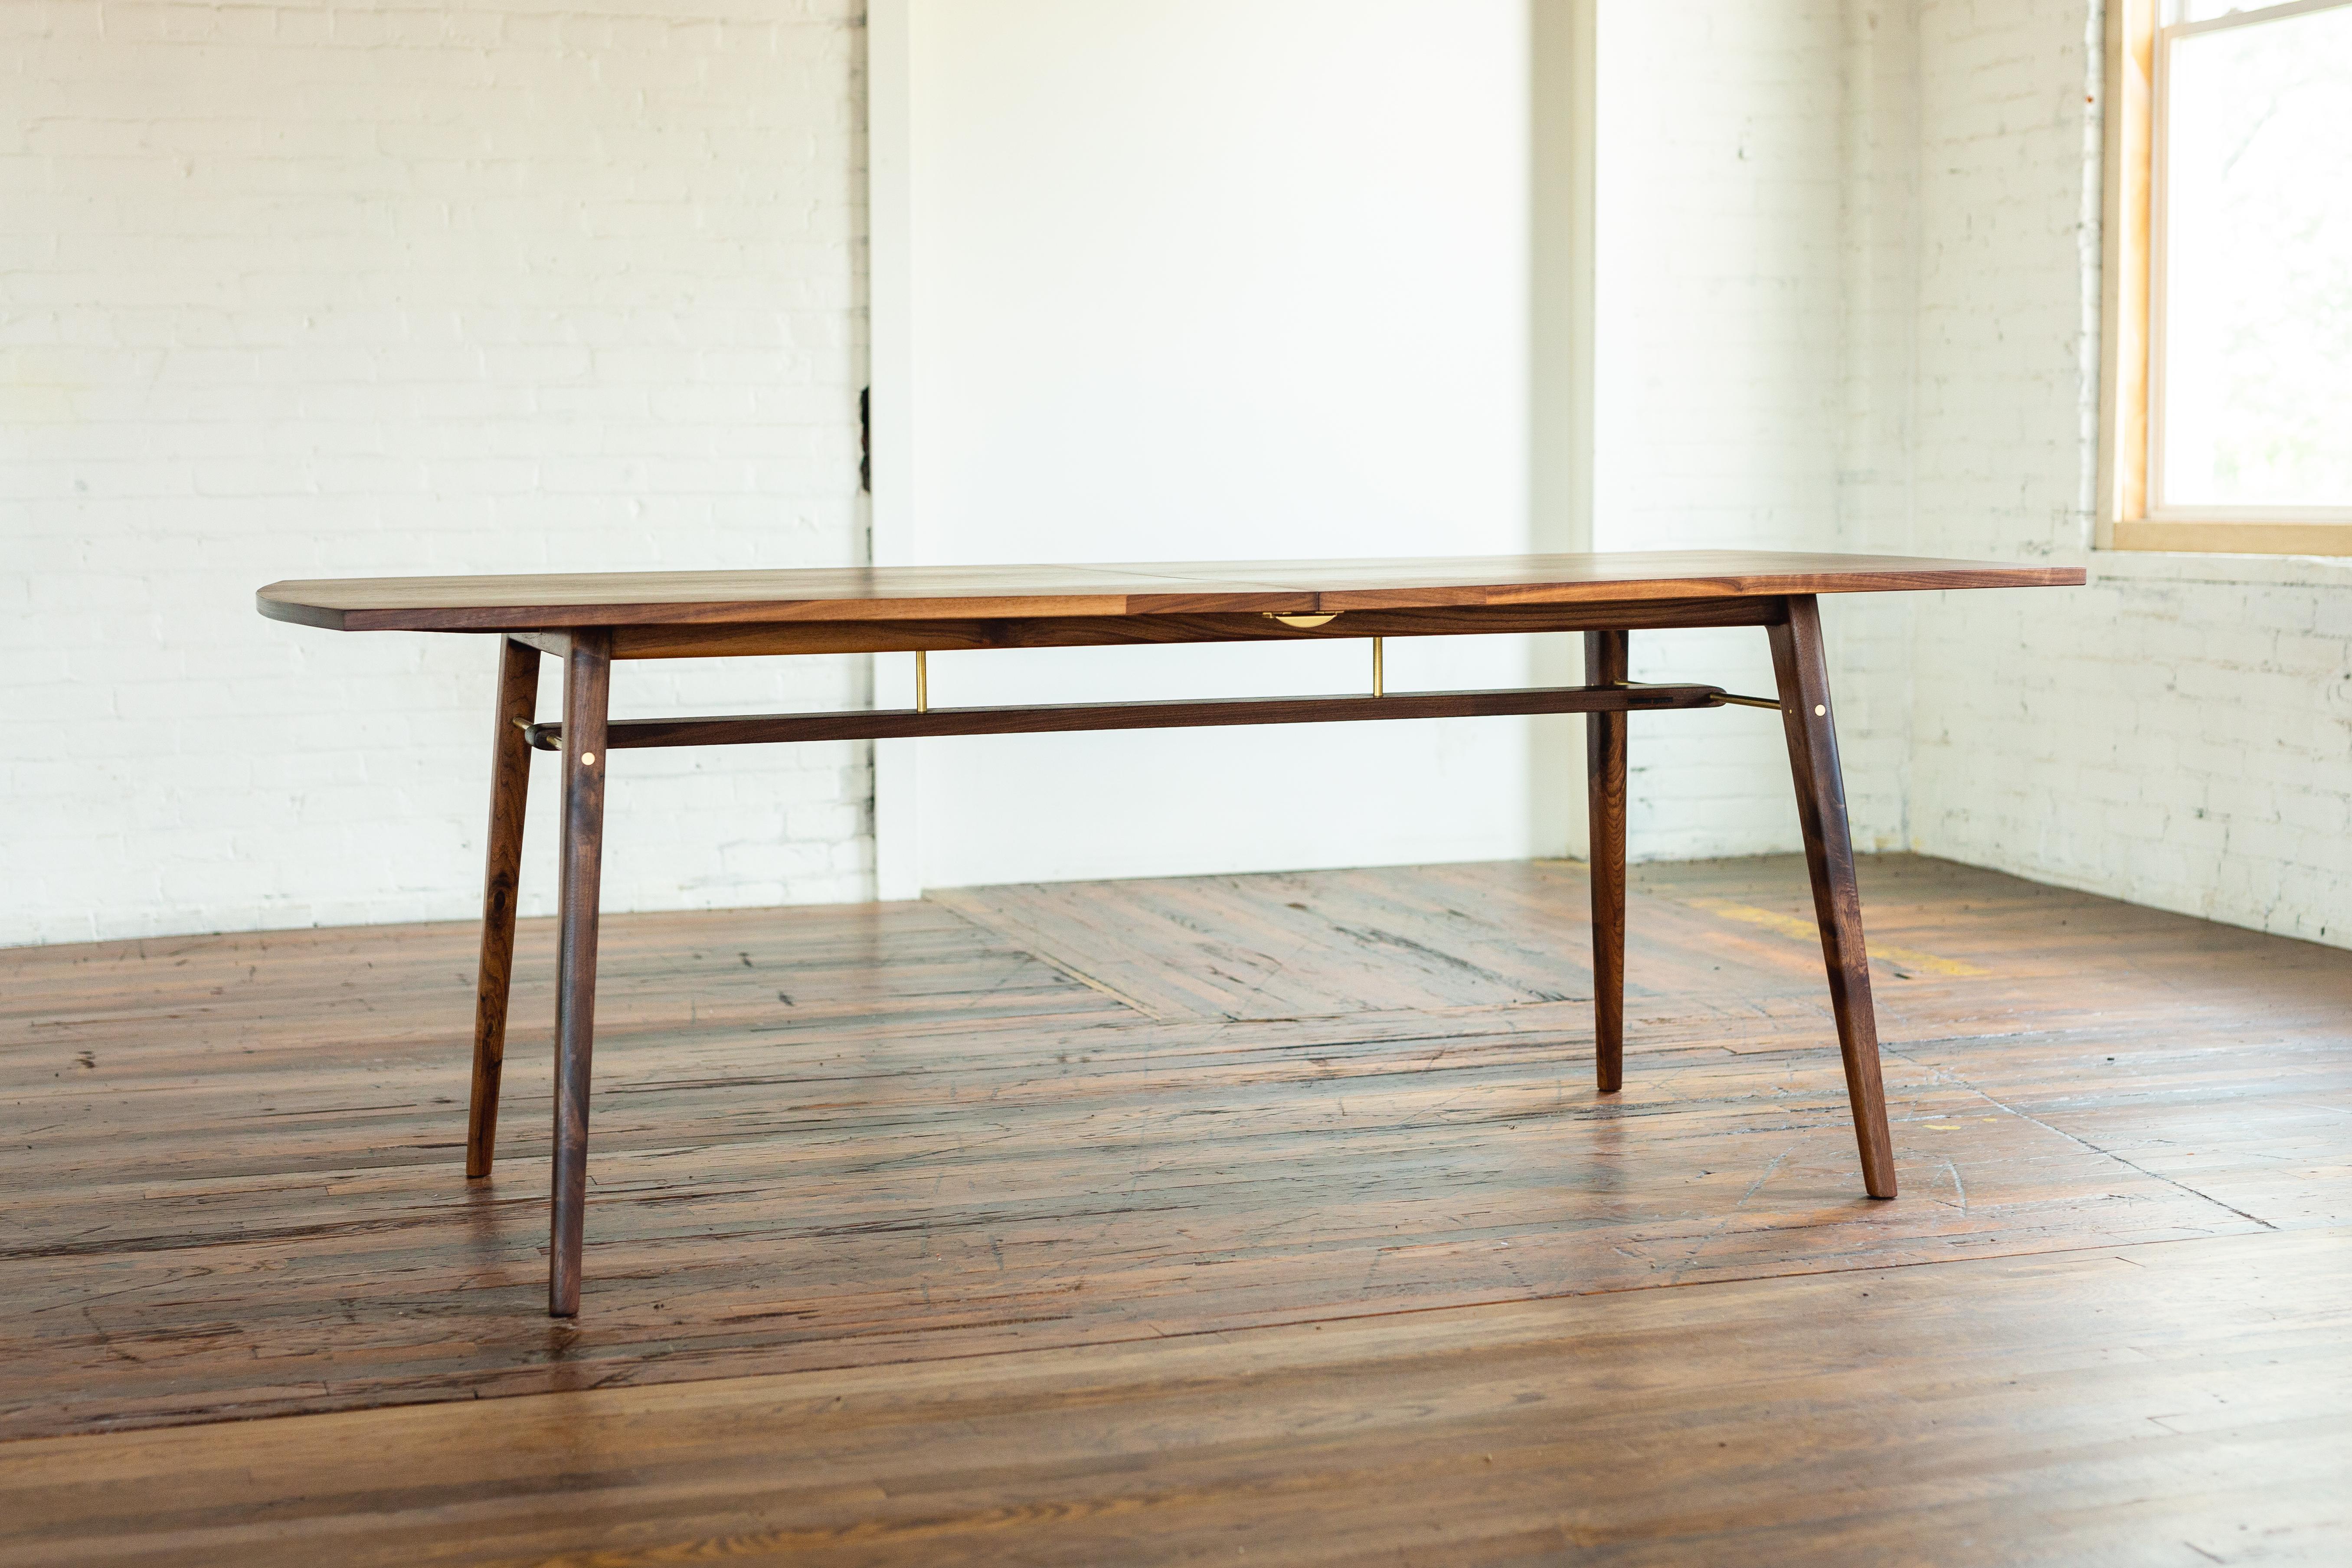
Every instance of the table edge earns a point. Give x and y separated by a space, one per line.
556 617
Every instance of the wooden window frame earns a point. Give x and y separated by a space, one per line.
2128 350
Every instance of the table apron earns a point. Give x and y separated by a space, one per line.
732 639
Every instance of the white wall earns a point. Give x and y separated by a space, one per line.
1848 294
1722 386
311 291
2179 733
1213 280
305 291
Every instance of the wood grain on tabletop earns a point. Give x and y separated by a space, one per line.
897 592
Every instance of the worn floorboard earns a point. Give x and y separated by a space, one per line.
1143 1138
2174 1403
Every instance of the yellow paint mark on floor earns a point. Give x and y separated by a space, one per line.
1789 925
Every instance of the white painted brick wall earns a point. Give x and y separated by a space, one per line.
312 290
2179 733
305 290
1849 299
1717 205
1725 279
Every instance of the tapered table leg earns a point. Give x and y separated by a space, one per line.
509 788
587 685
1606 663
1803 676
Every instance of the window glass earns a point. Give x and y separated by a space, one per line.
2255 393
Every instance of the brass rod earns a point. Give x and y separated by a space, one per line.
922 685
1377 685
1772 702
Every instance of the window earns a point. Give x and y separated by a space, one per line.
2229 375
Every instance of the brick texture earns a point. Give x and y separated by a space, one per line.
1719 364
1849 299
319 291
2179 733
312 290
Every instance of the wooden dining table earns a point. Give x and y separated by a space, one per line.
589 619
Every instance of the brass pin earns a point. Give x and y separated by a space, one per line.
1377 690
922 685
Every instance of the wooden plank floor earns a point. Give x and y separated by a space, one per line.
1148 1221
